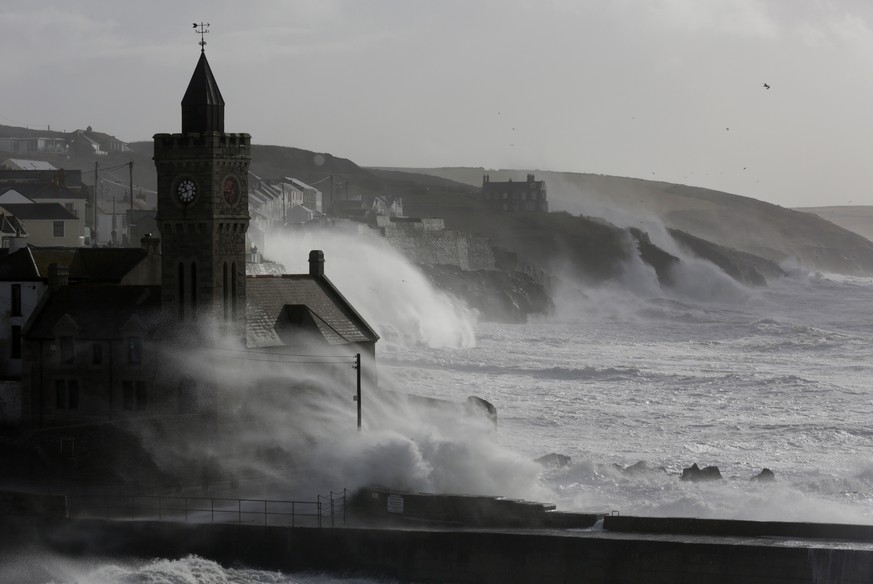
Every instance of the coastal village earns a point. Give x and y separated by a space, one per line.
110 288
133 314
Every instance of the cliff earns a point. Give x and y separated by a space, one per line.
498 295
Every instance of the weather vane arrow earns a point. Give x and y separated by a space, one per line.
202 29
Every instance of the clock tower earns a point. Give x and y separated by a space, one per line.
203 211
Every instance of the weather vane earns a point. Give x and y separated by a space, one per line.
202 29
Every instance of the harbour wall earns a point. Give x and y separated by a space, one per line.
475 555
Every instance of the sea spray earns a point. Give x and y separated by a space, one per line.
187 570
285 427
389 291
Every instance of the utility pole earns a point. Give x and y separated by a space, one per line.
358 396
130 219
96 182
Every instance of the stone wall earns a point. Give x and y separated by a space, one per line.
427 241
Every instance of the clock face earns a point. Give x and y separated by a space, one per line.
231 191
186 191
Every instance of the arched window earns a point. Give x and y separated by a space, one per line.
233 289
193 287
224 290
181 298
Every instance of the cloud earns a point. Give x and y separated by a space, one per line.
750 18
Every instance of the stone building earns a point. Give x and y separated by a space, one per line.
163 356
527 196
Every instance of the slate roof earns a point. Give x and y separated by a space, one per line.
105 264
312 300
18 266
38 211
202 106
83 264
43 257
41 191
99 311
22 164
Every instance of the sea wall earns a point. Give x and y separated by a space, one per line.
473 556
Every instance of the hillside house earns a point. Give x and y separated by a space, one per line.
46 224
35 144
516 196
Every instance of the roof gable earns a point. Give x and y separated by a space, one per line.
18 266
272 300
39 212
11 195
99 311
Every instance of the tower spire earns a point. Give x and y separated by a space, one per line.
202 105
202 29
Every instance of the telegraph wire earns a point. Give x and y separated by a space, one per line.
126 164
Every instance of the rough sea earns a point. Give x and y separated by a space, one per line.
710 372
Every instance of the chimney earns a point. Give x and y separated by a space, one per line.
530 178
316 263
57 276
18 241
150 244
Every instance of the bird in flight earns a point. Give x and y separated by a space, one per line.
766 86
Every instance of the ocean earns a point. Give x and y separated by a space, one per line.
710 372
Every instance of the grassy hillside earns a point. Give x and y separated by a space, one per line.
858 219
584 239
746 224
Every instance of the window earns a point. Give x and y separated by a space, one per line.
68 350
97 354
135 395
68 447
134 350
73 393
233 290
15 347
16 300
60 394
58 228
193 287
224 289
67 394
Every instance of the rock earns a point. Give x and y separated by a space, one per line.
695 474
554 459
477 406
765 476
641 467
498 295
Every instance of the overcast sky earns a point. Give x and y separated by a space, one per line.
660 89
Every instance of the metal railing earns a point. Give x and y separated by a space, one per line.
326 510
